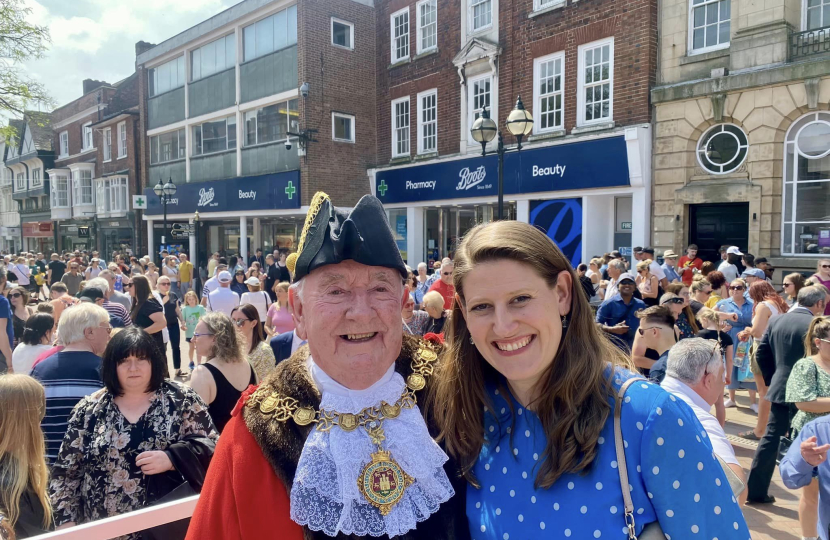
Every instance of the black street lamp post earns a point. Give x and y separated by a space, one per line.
164 193
519 123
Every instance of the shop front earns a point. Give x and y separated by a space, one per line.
590 196
38 236
115 235
236 216
76 235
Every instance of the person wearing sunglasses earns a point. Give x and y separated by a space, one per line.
822 276
740 305
21 311
256 348
444 284
656 335
238 284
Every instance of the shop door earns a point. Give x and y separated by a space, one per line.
714 225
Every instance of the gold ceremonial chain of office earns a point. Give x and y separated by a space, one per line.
382 481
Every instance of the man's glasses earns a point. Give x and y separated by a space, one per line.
641 331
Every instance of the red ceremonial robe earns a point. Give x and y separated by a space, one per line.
242 497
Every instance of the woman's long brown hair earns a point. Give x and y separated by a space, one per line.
675 288
141 286
575 391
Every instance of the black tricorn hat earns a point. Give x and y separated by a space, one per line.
331 235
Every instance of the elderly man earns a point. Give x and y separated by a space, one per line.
75 371
213 283
669 266
444 283
73 278
114 296
616 267
780 348
223 299
115 310
351 476
694 373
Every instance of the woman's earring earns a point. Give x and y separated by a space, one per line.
471 341
564 323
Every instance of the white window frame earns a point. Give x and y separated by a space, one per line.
122 139
421 124
537 95
351 117
196 57
434 24
37 179
118 184
351 33
405 130
57 179
79 189
228 131
86 129
20 182
691 28
393 40
822 7
471 110
580 92
106 136
540 5
63 143
471 4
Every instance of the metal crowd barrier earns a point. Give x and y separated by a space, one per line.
131 522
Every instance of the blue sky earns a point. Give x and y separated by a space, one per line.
95 39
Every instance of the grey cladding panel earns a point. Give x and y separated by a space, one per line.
174 170
269 75
212 93
213 167
166 108
269 158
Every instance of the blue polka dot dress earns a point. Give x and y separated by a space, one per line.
674 478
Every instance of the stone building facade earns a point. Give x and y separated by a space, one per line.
742 130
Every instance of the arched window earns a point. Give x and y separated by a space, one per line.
806 201
722 149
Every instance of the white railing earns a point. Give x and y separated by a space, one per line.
131 522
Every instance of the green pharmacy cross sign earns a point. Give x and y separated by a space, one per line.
382 188
290 190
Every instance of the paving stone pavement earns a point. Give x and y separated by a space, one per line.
777 521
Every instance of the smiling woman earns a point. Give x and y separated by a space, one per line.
528 386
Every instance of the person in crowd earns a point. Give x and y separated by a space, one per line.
170 269
256 297
116 310
94 269
271 277
257 350
21 310
222 378
147 312
686 322
655 336
213 283
706 268
36 339
114 295
593 273
254 270
75 371
133 441
729 266
211 267
192 311
55 270
617 315
25 509
647 283
689 264
778 351
278 319
444 284
21 271
694 374
712 330
792 284
172 305
237 285
152 275
616 268
436 312
117 274
136 267
235 264
748 261
700 290
752 275
73 278
185 274
766 304
422 286
60 300
223 299
822 277
544 370
337 363
415 321
257 258
808 387
669 266
738 304
806 459
654 267
36 280
764 264
720 288
285 274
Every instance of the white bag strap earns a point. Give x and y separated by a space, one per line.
619 446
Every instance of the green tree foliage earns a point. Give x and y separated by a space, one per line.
20 41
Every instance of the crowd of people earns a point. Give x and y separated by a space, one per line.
535 360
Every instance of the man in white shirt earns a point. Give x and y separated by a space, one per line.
615 269
223 299
212 284
695 374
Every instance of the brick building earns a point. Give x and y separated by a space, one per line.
584 70
217 102
743 129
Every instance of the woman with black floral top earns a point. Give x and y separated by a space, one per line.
127 438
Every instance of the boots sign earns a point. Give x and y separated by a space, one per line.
265 192
582 165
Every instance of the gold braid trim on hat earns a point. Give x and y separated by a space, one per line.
313 209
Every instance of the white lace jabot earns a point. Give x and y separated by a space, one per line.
325 495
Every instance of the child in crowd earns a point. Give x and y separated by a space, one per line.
192 312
